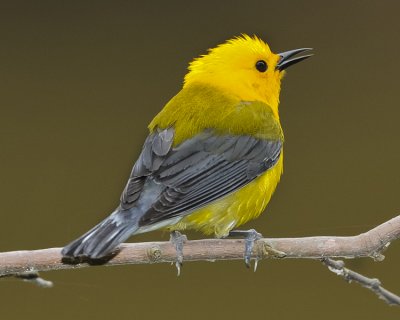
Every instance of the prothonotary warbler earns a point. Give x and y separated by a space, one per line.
213 156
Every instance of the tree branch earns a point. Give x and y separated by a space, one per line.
374 285
368 244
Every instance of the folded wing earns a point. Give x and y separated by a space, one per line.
199 171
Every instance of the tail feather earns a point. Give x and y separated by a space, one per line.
103 238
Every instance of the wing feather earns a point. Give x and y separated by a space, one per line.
199 171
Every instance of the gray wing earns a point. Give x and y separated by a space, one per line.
155 150
199 171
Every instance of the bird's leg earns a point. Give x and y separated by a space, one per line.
250 237
178 240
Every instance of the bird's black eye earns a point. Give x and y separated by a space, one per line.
261 66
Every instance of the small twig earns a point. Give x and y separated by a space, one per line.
32 277
372 284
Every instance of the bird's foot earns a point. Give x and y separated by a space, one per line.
178 239
250 236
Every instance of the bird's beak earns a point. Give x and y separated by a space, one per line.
285 60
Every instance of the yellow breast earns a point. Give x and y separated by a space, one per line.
247 203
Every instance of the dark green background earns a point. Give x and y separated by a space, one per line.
80 82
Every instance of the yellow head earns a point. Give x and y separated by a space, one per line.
244 67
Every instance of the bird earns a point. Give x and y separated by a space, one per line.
213 156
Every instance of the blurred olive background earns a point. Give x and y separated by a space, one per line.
80 81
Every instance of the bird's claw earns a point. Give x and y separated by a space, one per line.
250 237
178 240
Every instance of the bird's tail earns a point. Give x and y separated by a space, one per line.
103 238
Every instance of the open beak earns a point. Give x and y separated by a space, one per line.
286 61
